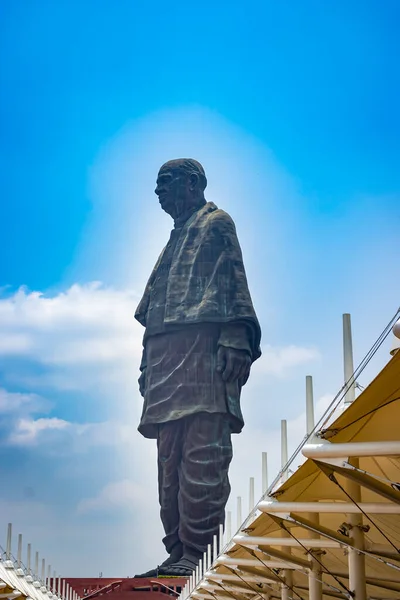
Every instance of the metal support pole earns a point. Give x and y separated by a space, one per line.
286 593
205 563
209 561
356 559
315 581
221 538
28 558
239 512
251 495
215 548
8 547
63 588
264 473
309 405
228 526
48 576
59 587
200 569
315 572
37 565
252 540
42 578
284 449
348 361
19 554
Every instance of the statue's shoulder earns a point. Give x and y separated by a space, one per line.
213 214
220 220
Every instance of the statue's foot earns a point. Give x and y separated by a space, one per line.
175 556
183 568
151 573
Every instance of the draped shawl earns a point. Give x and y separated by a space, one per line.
207 281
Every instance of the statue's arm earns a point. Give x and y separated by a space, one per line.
234 355
236 335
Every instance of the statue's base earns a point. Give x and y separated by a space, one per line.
130 588
167 577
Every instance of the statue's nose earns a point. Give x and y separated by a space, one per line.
160 190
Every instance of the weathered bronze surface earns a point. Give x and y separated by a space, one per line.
201 337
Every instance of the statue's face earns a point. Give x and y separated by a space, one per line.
172 188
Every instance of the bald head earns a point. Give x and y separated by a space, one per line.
180 186
188 166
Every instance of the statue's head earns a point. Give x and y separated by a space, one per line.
180 185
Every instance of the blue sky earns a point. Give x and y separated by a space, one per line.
293 109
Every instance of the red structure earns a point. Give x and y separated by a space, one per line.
153 588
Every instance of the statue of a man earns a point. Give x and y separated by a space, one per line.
201 337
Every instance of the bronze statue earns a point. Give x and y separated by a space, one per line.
201 337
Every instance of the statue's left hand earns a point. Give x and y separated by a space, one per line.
233 364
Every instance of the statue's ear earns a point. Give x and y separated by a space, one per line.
194 181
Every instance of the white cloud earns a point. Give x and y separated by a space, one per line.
28 431
13 343
83 337
82 437
279 361
117 495
87 323
15 402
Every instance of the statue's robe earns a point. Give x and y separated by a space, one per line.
196 300
199 286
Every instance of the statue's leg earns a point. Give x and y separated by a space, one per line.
169 445
203 486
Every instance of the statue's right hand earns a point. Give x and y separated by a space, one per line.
233 364
142 382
